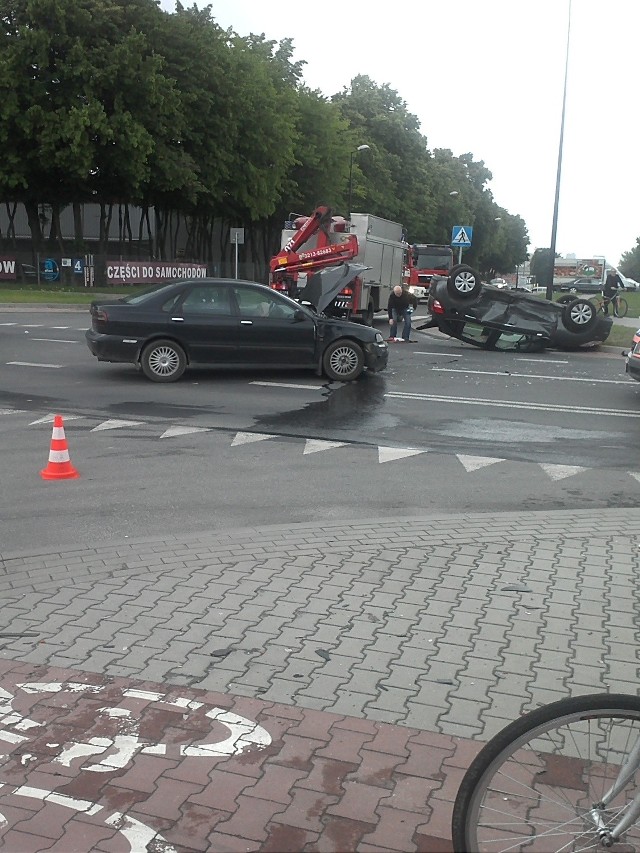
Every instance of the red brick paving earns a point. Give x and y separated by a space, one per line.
325 783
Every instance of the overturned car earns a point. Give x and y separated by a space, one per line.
493 318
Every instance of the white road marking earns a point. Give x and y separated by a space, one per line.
33 364
55 341
315 445
634 475
543 360
442 352
390 454
559 472
510 375
289 385
116 424
180 430
32 326
48 419
59 327
8 324
250 437
473 463
537 407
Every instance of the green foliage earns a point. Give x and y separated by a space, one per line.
630 262
116 101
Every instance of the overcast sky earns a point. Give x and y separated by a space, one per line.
487 77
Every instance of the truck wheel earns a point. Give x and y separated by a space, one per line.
367 316
343 361
163 361
579 315
464 282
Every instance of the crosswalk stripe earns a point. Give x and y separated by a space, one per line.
315 445
250 438
181 430
560 472
473 463
391 454
116 424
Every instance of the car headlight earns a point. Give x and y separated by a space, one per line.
379 338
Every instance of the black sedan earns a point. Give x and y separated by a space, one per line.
581 285
230 323
492 318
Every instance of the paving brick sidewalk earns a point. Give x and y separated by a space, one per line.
428 634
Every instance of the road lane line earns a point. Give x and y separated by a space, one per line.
289 385
543 360
536 407
503 374
33 364
55 341
442 353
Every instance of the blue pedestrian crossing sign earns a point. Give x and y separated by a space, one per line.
461 235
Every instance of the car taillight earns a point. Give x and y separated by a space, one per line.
100 315
437 308
281 286
346 291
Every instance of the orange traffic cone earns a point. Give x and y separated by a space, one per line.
59 466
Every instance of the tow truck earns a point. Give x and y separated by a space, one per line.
314 243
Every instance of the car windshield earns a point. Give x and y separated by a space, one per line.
495 339
432 261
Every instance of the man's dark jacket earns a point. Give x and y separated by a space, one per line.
401 303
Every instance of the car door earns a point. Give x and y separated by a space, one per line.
273 330
206 321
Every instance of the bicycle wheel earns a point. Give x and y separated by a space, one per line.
545 782
621 308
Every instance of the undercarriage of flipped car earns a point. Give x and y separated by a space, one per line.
462 307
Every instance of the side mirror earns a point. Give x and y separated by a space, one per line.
299 316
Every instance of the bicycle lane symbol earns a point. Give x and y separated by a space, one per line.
116 746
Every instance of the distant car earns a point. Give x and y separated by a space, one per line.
499 282
629 283
633 358
582 285
230 323
494 318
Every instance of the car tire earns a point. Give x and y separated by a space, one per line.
464 282
343 361
579 315
367 316
163 361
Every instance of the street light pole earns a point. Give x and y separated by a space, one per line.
359 148
554 226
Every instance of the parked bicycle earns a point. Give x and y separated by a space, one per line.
561 778
618 303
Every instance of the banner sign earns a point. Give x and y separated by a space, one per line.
7 269
146 272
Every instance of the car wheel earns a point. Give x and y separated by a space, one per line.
163 361
367 317
579 315
343 361
464 282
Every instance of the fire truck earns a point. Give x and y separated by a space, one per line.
313 243
422 262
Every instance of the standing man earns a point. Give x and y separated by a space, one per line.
400 307
612 285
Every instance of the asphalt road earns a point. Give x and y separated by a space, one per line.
446 427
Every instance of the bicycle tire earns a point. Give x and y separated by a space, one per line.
621 307
556 803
